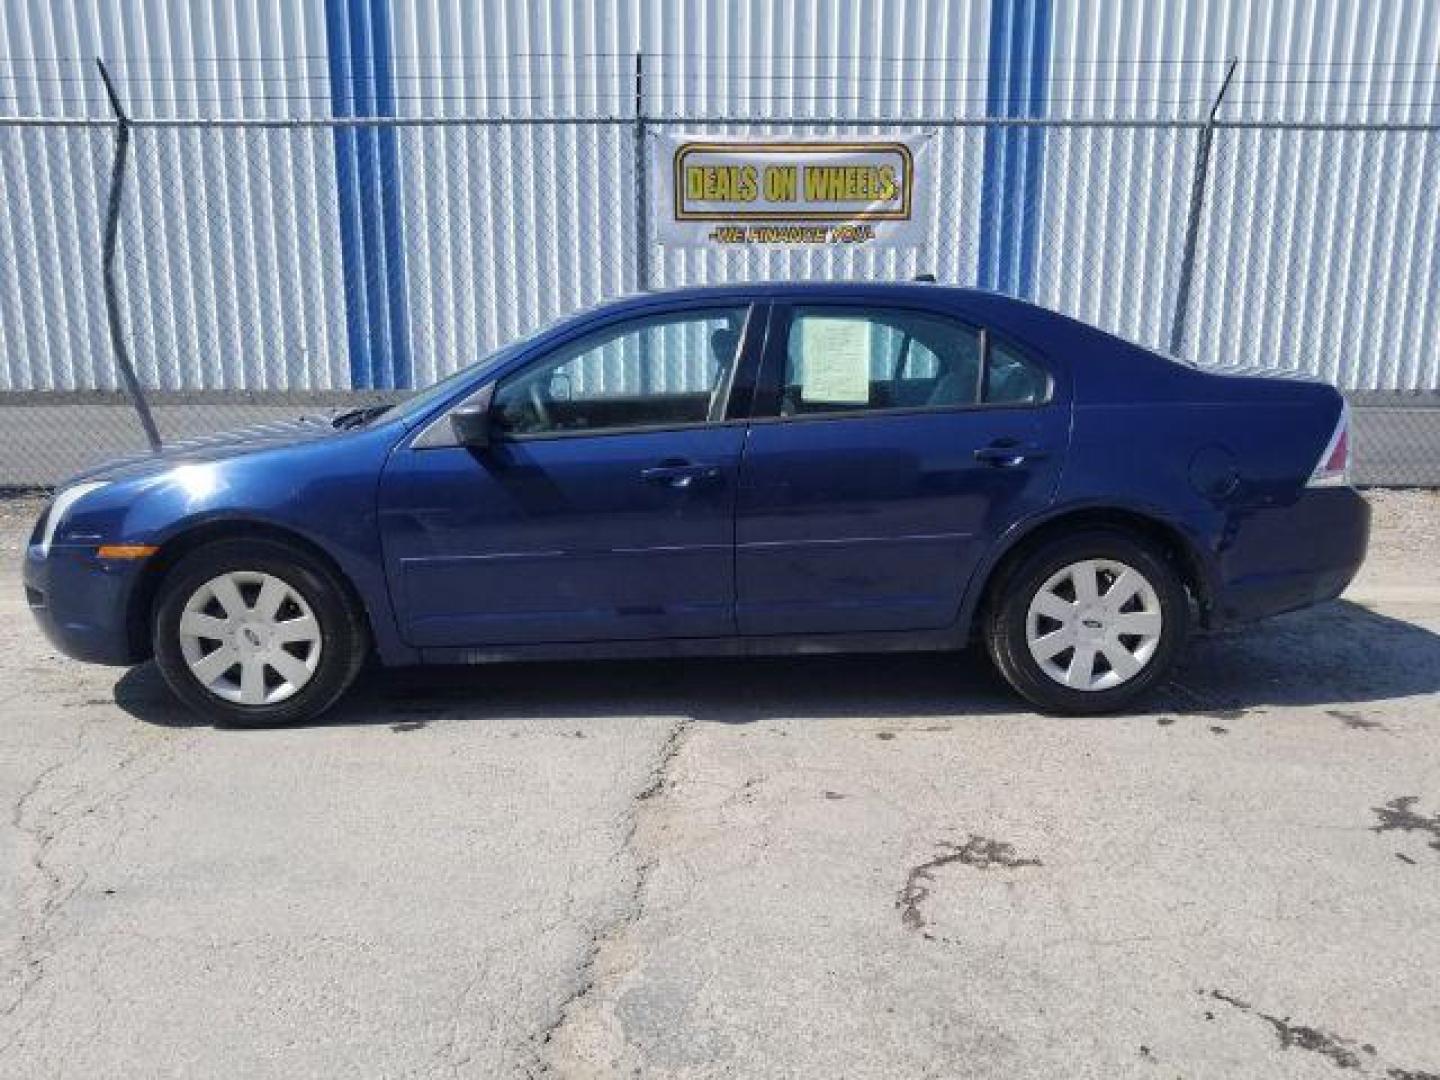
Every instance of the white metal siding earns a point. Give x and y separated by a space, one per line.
490 255
231 265
228 259
1318 250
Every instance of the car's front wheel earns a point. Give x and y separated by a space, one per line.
1087 623
257 633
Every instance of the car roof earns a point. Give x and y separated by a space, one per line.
1021 319
848 289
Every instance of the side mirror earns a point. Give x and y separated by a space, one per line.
470 421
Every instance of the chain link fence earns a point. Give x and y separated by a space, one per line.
265 269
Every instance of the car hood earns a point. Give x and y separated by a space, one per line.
217 447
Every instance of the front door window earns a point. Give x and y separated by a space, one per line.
655 371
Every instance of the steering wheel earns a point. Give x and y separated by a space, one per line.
537 402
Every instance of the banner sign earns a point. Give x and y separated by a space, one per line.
757 193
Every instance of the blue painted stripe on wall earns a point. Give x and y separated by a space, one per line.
352 252
367 177
1016 85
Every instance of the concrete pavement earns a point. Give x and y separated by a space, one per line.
876 866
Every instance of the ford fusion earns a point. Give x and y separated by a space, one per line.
736 470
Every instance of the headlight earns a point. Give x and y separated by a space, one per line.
61 506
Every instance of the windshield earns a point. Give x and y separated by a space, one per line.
437 392
409 408
421 400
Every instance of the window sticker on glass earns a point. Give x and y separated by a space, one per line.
835 360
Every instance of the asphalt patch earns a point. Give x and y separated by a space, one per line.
1398 815
977 852
1341 1052
1355 721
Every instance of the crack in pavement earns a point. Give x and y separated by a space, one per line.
32 945
41 901
604 959
1356 721
1399 815
978 852
449 1052
1343 1053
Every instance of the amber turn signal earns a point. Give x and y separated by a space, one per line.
127 551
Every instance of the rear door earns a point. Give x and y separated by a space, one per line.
890 446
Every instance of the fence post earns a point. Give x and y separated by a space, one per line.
112 228
642 212
1192 225
642 180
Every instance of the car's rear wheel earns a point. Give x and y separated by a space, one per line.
1087 623
257 633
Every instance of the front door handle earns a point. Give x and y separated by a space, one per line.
1008 453
681 474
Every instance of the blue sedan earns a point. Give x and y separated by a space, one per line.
736 470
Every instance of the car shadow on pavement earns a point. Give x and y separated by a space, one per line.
1337 654
721 690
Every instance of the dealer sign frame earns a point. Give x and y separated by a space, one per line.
761 193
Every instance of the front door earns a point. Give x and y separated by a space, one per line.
604 507
899 442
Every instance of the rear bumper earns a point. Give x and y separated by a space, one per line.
82 603
1277 559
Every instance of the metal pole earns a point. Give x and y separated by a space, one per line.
112 228
642 189
642 214
1192 225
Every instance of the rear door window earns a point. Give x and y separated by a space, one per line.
841 359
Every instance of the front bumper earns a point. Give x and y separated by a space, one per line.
1277 559
83 603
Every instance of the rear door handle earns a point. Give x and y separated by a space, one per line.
681 474
1007 453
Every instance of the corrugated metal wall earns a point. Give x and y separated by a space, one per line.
488 255
1318 249
313 259
221 232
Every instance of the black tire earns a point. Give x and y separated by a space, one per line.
1006 619
345 638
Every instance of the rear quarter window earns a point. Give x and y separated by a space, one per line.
1012 378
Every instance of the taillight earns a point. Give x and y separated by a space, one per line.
1333 469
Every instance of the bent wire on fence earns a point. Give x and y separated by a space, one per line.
107 259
